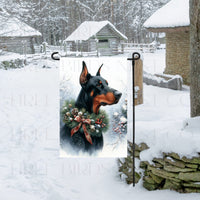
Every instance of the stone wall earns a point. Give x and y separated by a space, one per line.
126 165
172 172
177 55
163 80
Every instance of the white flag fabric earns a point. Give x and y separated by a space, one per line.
95 106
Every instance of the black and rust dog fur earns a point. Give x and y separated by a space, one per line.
94 93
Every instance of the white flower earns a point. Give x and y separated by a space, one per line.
123 120
124 107
116 114
92 127
80 114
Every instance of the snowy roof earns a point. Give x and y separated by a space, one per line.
174 14
12 27
89 28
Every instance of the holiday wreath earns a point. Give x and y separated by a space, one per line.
79 119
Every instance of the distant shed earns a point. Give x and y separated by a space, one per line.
173 19
15 35
101 36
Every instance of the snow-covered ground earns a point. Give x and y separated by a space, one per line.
154 62
163 123
30 167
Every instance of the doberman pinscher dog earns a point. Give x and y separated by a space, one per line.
94 93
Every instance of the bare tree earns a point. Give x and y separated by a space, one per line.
195 57
57 19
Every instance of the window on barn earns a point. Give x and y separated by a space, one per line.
101 41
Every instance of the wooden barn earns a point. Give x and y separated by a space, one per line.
15 35
92 36
173 19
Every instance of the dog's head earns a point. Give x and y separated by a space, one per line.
97 89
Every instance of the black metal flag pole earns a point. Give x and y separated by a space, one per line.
135 56
55 58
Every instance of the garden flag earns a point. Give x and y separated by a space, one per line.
94 102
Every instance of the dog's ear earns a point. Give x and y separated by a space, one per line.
99 71
85 76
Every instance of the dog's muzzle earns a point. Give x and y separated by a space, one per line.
117 95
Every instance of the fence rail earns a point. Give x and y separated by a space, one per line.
123 48
81 53
129 47
45 48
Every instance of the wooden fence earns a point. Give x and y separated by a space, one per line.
45 48
130 47
123 48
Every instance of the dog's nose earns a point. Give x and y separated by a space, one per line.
117 94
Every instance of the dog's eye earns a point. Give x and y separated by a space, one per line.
99 84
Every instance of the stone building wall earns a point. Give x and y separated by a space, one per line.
177 54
